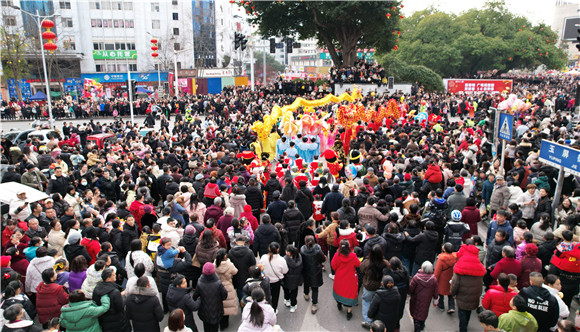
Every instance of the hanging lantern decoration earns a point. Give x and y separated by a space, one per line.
154 48
154 54
49 35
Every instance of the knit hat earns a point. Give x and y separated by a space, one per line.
147 208
208 269
531 249
4 261
199 177
74 238
189 230
247 208
407 177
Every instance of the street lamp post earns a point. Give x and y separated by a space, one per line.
38 19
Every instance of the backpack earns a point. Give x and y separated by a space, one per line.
438 216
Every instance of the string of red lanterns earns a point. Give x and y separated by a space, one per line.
49 35
154 48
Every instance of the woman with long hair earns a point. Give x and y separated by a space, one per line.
498 297
207 248
401 278
540 228
312 260
291 280
372 270
225 270
275 268
136 256
176 322
345 287
259 316
564 210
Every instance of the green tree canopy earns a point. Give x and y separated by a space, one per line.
14 48
478 39
411 73
340 26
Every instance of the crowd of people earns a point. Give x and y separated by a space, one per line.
201 217
361 72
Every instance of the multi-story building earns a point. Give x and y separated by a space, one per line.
565 22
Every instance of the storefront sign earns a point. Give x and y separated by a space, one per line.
216 73
122 77
112 55
470 86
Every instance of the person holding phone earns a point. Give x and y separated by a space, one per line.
19 208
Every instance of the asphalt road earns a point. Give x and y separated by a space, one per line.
328 317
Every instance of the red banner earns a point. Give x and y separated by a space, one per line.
470 86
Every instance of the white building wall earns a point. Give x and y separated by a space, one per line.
225 29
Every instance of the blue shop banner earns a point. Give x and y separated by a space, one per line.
122 77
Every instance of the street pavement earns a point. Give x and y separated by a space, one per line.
328 317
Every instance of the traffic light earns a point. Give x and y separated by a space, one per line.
272 45
289 45
237 40
131 87
244 42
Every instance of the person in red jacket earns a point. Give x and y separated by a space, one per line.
345 286
433 177
508 264
50 297
92 244
136 208
498 297
471 216
565 263
248 214
344 232
217 234
530 263
11 225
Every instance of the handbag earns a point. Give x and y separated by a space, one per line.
194 261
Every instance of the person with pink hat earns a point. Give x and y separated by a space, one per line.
212 293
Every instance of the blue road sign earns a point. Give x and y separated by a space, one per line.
558 155
506 125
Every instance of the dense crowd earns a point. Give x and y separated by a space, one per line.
361 72
201 216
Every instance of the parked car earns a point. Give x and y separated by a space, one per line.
44 135
17 137
101 139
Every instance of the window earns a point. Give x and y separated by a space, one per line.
64 4
117 6
155 7
178 65
132 67
106 5
128 5
131 46
10 21
110 47
155 24
176 31
174 2
67 22
111 67
6 3
175 16
95 5
99 68
120 46
107 23
176 46
129 24
98 46
69 45
96 23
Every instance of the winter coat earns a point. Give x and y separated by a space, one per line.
179 266
21 326
23 300
223 223
83 316
433 174
468 262
529 264
471 216
517 321
138 257
487 191
467 290
454 232
242 257
422 289
312 260
129 234
426 246
49 299
332 202
542 305
225 272
144 310
206 255
274 268
212 294
369 214
506 265
114 320
276 210
528 210
34 272
263 236
497 299
75 280
329 233
444 271
345 286
499 197
92 279
271 185
291 221
254 197
385 307
73 250
269 319
304 199
544 206
56 240
180 298
93 248
213 212
372 241
238 202
170 232
494 226
494 252
455 201
295 267
346 234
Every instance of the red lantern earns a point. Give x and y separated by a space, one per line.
50 46
154 54
47 24
48 35
154 48
388 15
154 41
395 48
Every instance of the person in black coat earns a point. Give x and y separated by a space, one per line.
276 208
179 297
312 260
546 250
291 221
265 234
212 293
58 183
11 175
304 199
143 307
130 233
271 186
242 258
114 320
254 197
189 242
180 265
332 201
74 248
292 278
426 245
306 228
401 277
385 304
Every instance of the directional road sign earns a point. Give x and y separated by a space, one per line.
558 155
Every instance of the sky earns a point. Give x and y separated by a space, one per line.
537 11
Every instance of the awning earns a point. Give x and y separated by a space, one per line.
8 192
55 93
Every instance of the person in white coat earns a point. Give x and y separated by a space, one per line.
528 203
258 315
19 208
275 268
553 285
